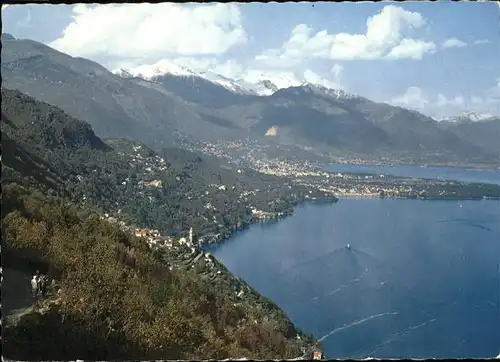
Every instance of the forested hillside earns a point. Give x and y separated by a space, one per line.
115 298
172 191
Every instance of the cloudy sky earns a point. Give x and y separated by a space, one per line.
439 58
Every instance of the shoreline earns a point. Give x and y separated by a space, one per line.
338 198
211 247
469 167
254 220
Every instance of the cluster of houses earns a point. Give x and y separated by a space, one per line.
155 239
153 236
153 163
264 215
151 184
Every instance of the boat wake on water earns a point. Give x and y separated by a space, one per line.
472 223
344 285
405 332
317 260
355 323
348 250
345 266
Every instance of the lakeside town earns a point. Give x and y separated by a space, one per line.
319 185
309 175
187 254
312 174
250 152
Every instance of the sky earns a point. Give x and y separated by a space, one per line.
440 58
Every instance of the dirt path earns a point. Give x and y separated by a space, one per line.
16 294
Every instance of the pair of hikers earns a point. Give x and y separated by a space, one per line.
38 284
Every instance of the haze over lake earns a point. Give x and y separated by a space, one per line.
421 278
444 173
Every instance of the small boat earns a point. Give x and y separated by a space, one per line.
348 246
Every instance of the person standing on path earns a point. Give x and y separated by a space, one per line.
34 286
42 285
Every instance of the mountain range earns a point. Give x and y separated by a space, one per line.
469 117
264 85
164 104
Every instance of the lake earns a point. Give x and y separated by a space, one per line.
444 173
421 279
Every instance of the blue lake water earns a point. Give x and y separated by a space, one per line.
445 173
422 278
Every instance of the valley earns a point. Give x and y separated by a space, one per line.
170 106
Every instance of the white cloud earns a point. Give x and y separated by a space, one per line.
289 57
413 98
277 76
497 86
487 102
182 66
314 78
482 41
230 68
151 30
196 64
26 21
453 43
384 38
457 101
476 100
411 49
336 70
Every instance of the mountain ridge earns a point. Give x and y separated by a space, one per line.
167 108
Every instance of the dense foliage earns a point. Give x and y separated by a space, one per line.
116 299
194 192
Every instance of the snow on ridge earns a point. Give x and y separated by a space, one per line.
283 82
279 81
331 92
467 117
264 84
163 67
122 73
474 116
226 82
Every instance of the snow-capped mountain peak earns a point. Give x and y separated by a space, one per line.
331 92
122 73
226 82
264 84
468 117
474 116
163 67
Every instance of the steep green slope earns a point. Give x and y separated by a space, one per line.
189 191
117 298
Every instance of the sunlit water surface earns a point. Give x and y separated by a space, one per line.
421 278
